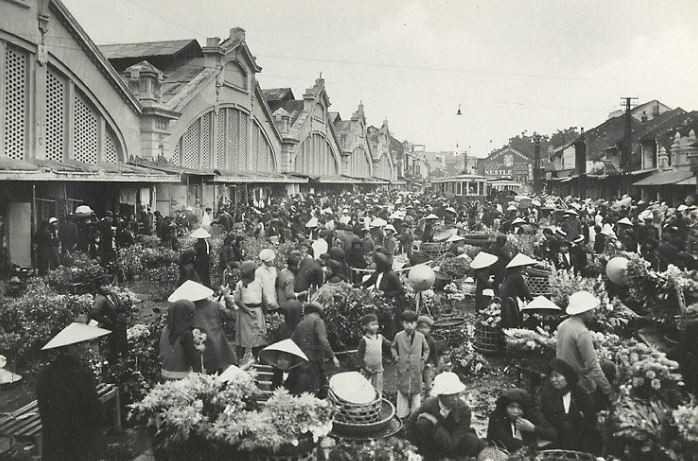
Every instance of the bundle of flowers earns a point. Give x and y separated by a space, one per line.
526 341
390 449
606 345
276 326
126 296
140 260
686 420
650 373
611 316
343 316
138 371
164 278
176 411
148 241
525 244
78 275
467 362
491 316
282 420
456 268
642 427
33 319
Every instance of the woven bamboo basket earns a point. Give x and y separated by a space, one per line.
385 415
564 455
488 340
538 286
440 341
450 327
356 413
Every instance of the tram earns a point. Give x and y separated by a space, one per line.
464 188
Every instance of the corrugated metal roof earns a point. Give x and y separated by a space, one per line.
666 177
145 49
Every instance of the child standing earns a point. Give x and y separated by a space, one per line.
411 351
370 351
424 326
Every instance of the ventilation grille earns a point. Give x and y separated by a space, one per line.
243 142
220 140
55 117
85 132
205 141
232 140
111 151
190 146
16 91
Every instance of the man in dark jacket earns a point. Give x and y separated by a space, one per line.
440 428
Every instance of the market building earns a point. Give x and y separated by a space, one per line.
66 136
223 142
310 147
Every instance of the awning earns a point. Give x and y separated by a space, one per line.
568 179
251 177
645 171
666 177
688 182
45 170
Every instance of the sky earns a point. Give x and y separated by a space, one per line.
510 65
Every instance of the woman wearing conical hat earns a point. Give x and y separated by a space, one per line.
71 413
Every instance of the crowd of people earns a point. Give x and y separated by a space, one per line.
355 240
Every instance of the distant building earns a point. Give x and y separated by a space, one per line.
507 163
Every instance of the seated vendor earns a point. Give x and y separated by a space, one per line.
440 428
569 410
513 424
282 357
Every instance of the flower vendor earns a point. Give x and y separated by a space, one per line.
71 413
208 317
311 336
110 313
440 427
482 267
575 345
514 422
178 353
283 356
250 329
514 288
569 410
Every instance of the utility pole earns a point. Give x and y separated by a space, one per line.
626 154
536 163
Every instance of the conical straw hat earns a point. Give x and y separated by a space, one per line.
286 348
542 303
521 260
200 234
483 260
75 333
191 291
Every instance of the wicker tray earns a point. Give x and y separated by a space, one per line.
365 429
356 413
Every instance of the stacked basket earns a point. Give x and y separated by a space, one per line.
370 420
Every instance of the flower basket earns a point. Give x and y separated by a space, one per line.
488 340
440 341
355 413
451 328
564 455
306 450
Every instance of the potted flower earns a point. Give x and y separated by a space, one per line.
488 335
